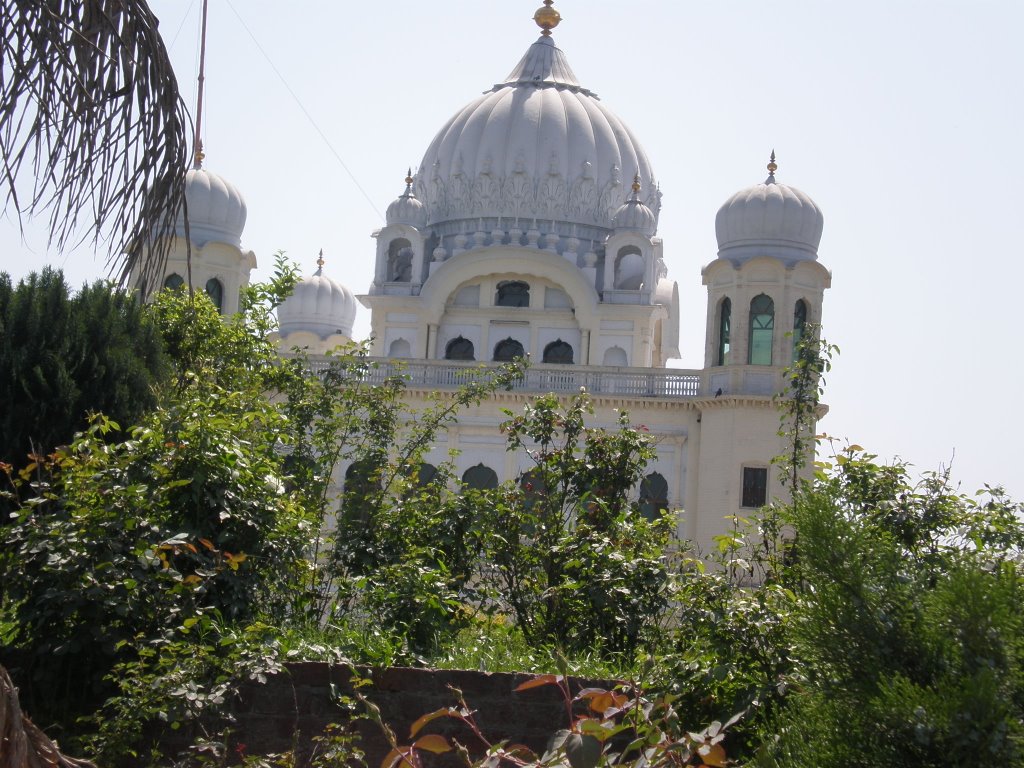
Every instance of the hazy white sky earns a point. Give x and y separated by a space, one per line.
903 119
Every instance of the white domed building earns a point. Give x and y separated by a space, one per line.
530 228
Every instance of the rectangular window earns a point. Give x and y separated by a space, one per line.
755 486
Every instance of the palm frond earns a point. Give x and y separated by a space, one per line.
93 130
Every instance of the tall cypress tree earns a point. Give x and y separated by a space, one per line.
64 356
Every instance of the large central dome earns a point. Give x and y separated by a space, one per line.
538 147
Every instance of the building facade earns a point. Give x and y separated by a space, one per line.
530 229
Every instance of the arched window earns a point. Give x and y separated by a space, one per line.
480 477
215 290
459 349
508 350
400 348
629 269
653 495
512 293
173 281
616 356
762 327
558 352
724 324
399 261
799 323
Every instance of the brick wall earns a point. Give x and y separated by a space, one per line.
294 706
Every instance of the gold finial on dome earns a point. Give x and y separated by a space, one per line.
320 260
636 182
772 166
547 18
408 177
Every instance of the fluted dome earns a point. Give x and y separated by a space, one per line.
536 147
769 219
319 305
216 209
407 209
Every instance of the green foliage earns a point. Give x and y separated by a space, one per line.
908 630
572 557
64 356
122 537
604 728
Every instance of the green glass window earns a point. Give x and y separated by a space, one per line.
799 322
724 322
762 327
173 281
215 290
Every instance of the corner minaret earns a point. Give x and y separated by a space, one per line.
207 252
764 288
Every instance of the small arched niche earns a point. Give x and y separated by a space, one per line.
558 352
616 356
400 348
512 293
459 348
174 281
399 261
629 269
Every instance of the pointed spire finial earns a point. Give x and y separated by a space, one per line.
199 154
636 183
547 18
320 261
408 179
772 166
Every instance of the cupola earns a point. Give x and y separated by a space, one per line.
318 305
769 219
634 216
407 209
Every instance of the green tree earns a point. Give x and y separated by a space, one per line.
908 631
64 356
570 554
122 537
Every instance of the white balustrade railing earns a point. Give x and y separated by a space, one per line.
626 382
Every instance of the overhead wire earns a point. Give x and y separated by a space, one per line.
305 111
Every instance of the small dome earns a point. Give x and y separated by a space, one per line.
319 305
769 219
216 209
406 209
634 216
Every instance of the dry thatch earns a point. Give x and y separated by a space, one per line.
92 127
22 744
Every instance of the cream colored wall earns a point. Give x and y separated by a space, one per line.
733 433
231 265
